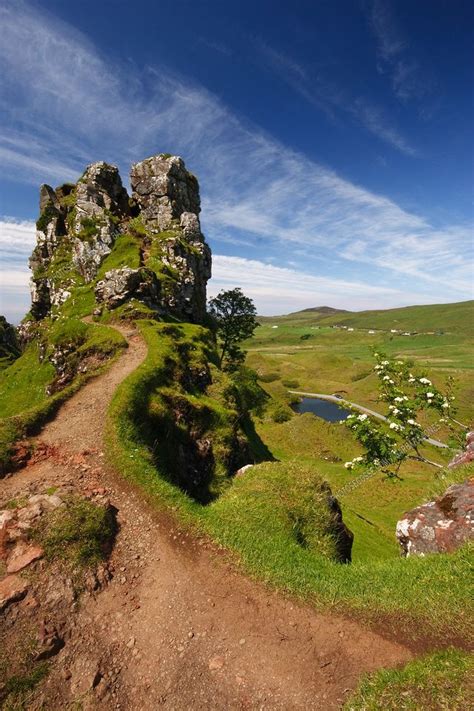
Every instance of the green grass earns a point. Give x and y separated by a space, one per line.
196 437
437 682
243 520
24 402
432 317
18 688
126 253
78 532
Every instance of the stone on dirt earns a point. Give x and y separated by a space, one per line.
12 589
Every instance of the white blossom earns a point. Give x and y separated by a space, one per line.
394 426
445 404
429 395
362 418
425 381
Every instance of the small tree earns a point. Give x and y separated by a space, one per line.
387 444
234 316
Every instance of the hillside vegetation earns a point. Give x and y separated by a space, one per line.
180 427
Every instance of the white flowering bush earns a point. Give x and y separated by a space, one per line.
406 394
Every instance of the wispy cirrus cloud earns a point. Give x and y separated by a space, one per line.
334 101
395 56
298 289
261 199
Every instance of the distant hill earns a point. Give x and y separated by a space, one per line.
321 310
456 317
310 315
432 317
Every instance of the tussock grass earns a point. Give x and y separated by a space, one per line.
439 682
78 532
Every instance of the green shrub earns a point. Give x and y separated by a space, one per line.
89 228
269 377
48 214
290 383
281 413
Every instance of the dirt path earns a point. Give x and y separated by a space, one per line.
178 626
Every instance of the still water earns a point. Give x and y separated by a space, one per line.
329 411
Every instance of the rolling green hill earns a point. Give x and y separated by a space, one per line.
456 317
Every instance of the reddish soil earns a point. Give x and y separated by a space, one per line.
178 626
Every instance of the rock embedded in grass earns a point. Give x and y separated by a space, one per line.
440 526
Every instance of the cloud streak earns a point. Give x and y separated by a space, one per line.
409 81
333 100
257 192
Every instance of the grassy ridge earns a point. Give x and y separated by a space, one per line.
245 519
24 402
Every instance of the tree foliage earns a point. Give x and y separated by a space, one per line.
407 396
233 314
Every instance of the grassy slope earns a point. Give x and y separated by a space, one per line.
432 317
438 682
24 403
244 519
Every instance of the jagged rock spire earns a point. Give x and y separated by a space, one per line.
79 225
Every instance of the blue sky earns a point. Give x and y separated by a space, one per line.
332 139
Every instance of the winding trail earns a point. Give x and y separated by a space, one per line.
179 626
361 408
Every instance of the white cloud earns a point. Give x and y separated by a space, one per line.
16 237
277 290
255 189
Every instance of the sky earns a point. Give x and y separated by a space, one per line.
332 138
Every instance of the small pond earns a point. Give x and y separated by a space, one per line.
326 409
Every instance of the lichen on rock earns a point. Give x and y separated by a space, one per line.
440 526
79 225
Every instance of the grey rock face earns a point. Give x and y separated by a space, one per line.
164 189
79 225
101 201
120 285
439 526
168 199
